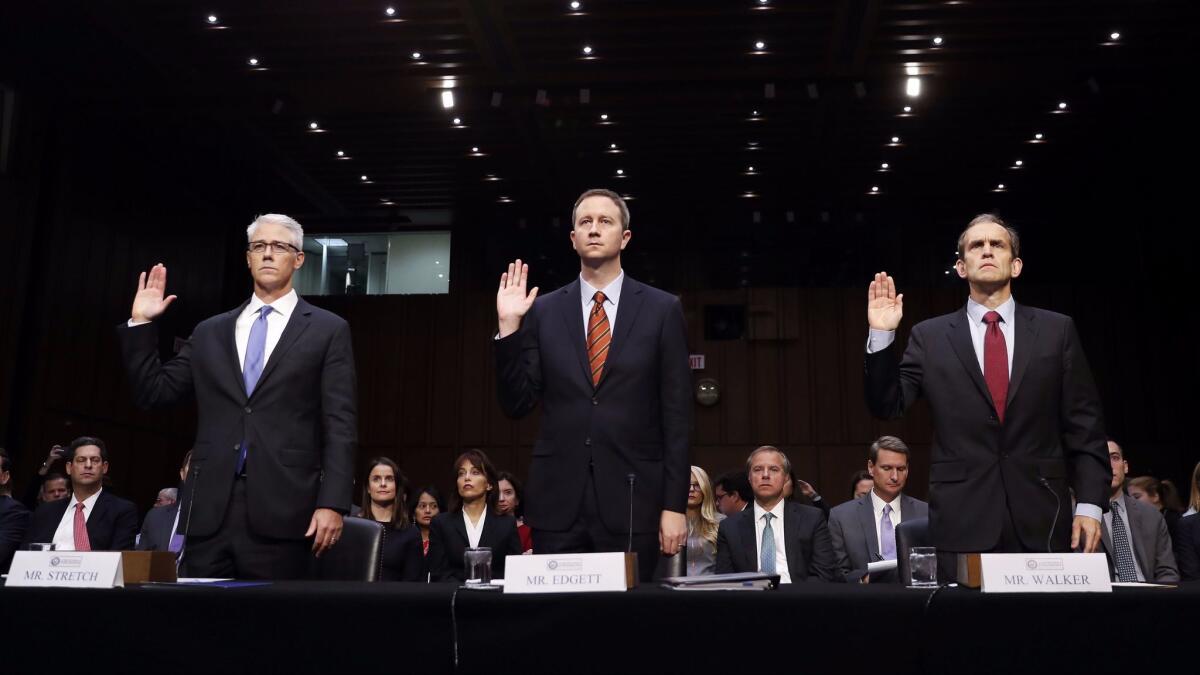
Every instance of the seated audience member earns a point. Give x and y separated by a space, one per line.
383 497
1187 548
1135 534
474 523
14 517
91 518
36 493
166 497
161 529
1194 500
428 503
1162 495
732 493
702 520
860 484
776 536
864 530
807 494
509 504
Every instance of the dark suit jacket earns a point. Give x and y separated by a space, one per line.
402 555
1053 429
448 541
112 525
14 522
635 422
299 424
157 527
806 542
1150 540
855 535
1187 548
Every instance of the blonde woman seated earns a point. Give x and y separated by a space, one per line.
702 519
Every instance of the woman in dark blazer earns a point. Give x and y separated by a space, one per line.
473 523
383 500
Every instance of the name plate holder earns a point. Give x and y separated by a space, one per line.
1035 572
570 573
66 569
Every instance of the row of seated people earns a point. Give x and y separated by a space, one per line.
426 542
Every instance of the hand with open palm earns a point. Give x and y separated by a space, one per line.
884 306
512 300
149 302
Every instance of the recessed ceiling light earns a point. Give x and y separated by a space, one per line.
912 69
390 11
908 108
252 61
457 121
760 45
447 99
416 56
604 116
1062 105
1114 36
341 153
754 113
587 49
937 41
612 146
212 18
874 188
913 87
620 172
474 148
1019 163
1000 186
364 177
884 165
314 125
895 139
750 169
575 4
1037 136
441 276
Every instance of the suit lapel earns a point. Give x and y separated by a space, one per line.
296 325
631 302
866 517
791 538
959 334
227 329
570 310
99 513
460 526
1026 338
749 536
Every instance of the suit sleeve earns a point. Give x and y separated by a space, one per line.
823 566
439 566
1187 549
125 528
675 390
339 408
154 383
724 563
12 532
519 368
1084 441
144 542
837 540
892 387
1165 569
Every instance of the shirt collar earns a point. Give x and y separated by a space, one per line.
1006 310
759 511
89 503
284 306
878 503
612 292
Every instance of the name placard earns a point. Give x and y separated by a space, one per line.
66 569
1045 573
568 573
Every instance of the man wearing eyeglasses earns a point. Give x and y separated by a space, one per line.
732 493
274 384
91 518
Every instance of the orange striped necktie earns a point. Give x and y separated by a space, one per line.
598 337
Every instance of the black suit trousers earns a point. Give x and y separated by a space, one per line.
235 551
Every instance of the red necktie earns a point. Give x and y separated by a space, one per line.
995 362
81 536
598 337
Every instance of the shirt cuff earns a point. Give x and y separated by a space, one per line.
879 340
1090 510
131 323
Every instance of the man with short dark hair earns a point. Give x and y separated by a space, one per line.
732 493
864 530
1135 534
776 536
55 486
14 517
92 518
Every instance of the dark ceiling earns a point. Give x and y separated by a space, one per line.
691 102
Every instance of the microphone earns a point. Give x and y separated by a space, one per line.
1057 506
632 479
187 523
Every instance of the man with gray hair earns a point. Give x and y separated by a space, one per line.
274 384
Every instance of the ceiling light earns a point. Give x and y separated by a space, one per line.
884 166
1062 105
1114 36
474 148
913 87
937 41
447 99
620 172
1019 163
912 69
491 178
895 139
575 4
363 177
314 126
1000 186
416 56
1037 137
252 61
390 11
754 113
750 169
604 116
612 146
441 276
587 49
333 243
212 18
457 121
504 200
341 153
760 45
874 188
763 2
908 108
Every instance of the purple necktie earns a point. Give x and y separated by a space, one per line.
256 348
887 534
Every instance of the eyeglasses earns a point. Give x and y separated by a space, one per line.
721 495
694 487
277 247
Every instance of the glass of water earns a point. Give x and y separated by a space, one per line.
478 563
922 567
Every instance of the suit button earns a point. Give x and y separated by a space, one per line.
594 401
587 441
248 411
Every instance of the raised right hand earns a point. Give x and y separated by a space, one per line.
149 302
884 306
512 301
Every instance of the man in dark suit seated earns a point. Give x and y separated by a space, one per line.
864 530
1135 534
14 517
776 536
732 493
91 518
160 529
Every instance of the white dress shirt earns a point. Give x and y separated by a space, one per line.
277 320
64 536
880 339
1128 538
474 532
781 566
612 299
877 504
